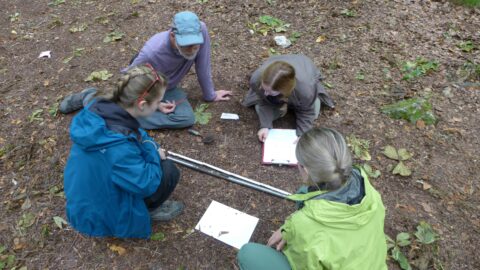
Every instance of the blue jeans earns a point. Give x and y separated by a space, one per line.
182 116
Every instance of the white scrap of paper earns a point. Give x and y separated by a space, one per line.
227 224
45 54
230 116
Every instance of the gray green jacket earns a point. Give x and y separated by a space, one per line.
308 88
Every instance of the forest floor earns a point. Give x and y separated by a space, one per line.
360 46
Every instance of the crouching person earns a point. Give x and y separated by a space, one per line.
117 179
340 217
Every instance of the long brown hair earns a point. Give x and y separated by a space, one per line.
280 76
133 84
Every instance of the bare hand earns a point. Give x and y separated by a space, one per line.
162 154
276 240
222 95
167 107
262 134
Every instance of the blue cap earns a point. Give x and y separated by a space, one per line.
187 29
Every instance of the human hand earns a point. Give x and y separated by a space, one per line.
167 107
283 109
162 154
262 134
222 95
276 240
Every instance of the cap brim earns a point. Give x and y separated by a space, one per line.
190 39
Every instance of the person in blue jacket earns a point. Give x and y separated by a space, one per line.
117 178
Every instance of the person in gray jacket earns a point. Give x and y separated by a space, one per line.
287 81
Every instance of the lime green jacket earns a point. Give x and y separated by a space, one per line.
331 235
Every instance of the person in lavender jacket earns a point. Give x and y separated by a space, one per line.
172 53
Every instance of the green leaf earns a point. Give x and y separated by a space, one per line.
159 236
294 36
27 220
466 46
113 36
348 13
56 2
360 76
403 154
418 68
10 260
403 239
398 256
359 147
59 221
390 242
2 249
201 116
425 233
412 110
402 169
100 75
36 115
80 28
53 109
370 172
390 152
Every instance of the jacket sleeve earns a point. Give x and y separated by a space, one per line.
304 119
136 170
203 67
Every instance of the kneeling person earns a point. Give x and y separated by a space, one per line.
117 179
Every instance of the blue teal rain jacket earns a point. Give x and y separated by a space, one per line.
109 173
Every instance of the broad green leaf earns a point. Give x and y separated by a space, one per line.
27 220
159 236
2 249
390 242
201 116
398 256
360 76
403 154
402 169
425 233
113 36
390 152
418 68
80 28
359 147
10 260
100 75
466 46
412 110
59 221
370 171
403 239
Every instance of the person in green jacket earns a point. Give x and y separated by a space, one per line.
340 217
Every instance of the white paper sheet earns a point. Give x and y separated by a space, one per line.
227 224
279 147
229 116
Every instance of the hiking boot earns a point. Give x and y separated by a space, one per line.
167 211
75 101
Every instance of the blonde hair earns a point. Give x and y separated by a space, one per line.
280 76
132 85
325 155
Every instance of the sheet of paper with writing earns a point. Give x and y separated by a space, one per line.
227 224
279 147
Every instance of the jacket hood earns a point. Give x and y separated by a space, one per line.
337 214
89 131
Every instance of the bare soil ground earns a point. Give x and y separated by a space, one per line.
375 42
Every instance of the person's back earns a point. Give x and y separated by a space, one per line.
340 217
325 234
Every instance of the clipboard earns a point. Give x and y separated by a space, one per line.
279 147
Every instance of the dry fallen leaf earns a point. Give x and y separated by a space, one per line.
321 39
426 207
120 250
420 124
426 186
